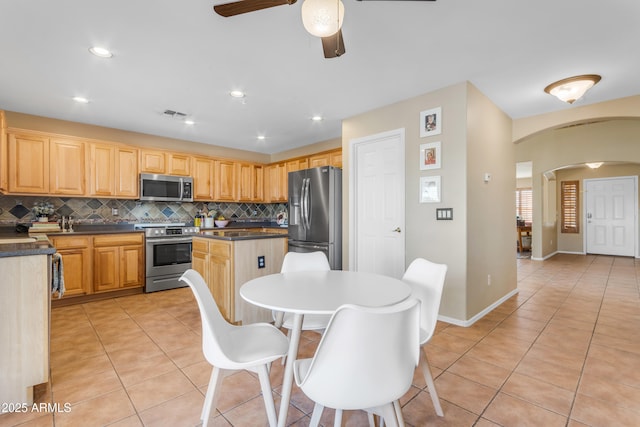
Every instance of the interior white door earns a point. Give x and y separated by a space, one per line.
377 214
610 216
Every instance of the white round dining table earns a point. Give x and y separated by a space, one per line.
318 292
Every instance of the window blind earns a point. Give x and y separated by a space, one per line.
569 191
524 204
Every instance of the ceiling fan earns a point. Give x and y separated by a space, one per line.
330 31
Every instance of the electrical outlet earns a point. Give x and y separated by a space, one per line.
261 261
488 280
114 211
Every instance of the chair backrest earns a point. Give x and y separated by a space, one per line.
216 331
427 281
305 261
366 357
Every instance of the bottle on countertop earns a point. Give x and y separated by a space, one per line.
197 221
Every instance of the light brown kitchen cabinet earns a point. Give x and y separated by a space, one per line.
118 261
203 170
250 182
224 180
4 176
178 164
67 167
328 158
113 171
276 182
152 161
227 264
28 168
127 176
76 259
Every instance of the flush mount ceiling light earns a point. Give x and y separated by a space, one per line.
100 52
322 18
81 100
571 89
189 122
316 118
237 94
261 137
594 165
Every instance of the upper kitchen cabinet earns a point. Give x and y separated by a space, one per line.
4 181
163 162
113 170
152 161
178 164
28 163
224 181
328 158
250 182
67 167
41 164
276 182
203 170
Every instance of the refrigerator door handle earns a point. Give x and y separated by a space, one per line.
307 245
305 202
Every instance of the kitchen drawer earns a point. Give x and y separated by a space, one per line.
70 242
200 246
220 249
118 239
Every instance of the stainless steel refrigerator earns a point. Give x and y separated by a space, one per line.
315 212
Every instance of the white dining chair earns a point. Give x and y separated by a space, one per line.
427 282
230 348
365 360
303 261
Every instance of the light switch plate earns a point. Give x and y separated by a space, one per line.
444 214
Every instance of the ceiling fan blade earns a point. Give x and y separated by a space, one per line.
333 46
245 6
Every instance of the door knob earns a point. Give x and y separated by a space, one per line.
397 230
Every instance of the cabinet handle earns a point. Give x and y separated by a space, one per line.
397 230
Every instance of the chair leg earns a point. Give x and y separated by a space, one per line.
315 417
398 409
337 422
210 400
267 395
428 377
372 421
389 415
284 358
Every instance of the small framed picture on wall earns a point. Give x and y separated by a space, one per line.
431 122
430 156
430 189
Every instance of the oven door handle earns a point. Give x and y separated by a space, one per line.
170 240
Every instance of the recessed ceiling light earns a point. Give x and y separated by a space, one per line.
316 118
189 122
81 100
237 94
101 52
261 137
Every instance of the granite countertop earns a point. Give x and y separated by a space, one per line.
39 247
239 235
247 224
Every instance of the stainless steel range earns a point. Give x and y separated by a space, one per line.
168 254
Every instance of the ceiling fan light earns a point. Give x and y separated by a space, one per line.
573 88
322 18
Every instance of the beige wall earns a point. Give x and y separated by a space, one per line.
616 140
476 138
573 242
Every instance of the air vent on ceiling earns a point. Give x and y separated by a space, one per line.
175 114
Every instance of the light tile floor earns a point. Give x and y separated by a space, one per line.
565 351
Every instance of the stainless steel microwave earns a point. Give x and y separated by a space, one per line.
166 188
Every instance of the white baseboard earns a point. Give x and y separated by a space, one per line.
474 319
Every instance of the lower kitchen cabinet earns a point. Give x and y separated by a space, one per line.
76 261
227 264
118 261
102 263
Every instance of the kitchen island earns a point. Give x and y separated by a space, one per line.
25 292
229 258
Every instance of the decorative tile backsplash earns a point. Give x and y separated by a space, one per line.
14 209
